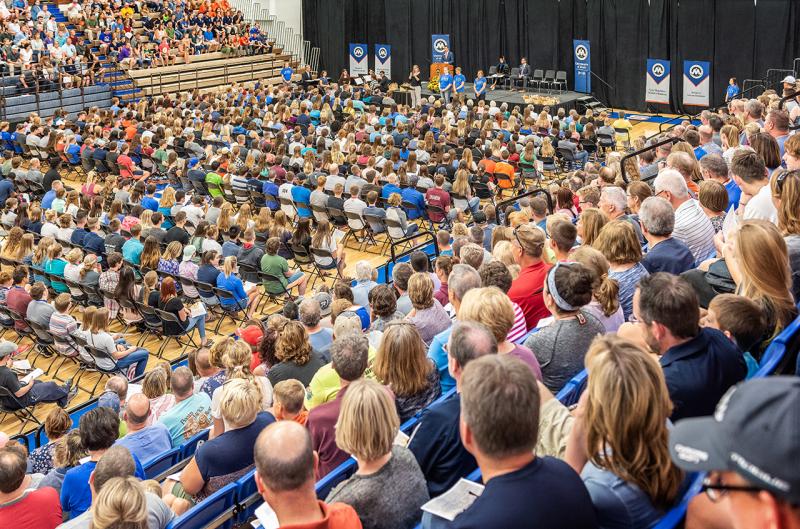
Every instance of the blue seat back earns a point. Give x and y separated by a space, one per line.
219 504
674 517
245 489
336 476
777 349
161 463
572 390
190 446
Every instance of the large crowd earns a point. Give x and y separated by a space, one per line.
666 276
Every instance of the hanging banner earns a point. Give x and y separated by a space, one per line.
696 81
583 66
438 45
359 62
383 59
657 85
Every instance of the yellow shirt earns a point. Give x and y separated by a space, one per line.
622 124
326 383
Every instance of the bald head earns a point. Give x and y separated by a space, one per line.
137 410
284 457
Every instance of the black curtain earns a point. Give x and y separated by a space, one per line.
740 38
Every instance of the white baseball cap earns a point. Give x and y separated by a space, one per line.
789 79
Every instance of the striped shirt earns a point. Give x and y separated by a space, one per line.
519 328
62 326
694 229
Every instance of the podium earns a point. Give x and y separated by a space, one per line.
437 67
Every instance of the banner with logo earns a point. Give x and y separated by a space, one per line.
696 81
383 59
438 44
657 85
583 66
359 59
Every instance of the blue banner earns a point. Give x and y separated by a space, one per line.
359 59
383 59
438 44
696 81
583 66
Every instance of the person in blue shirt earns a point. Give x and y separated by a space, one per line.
446 85
98 429
73 151
459 81
390 187
412 196
149 200
665 253
241 300
287 72
301 195
270 189
143 441
480 86
7 189
732 90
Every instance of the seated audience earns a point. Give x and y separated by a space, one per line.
191 412
617 242
664 252
143 441
21 504
427 314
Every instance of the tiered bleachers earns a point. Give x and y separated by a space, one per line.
18 108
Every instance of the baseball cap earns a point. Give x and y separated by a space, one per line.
251 334
188 252
7 348
325 302
109 399
753 432
193 162
789 79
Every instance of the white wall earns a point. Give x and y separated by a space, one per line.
290 11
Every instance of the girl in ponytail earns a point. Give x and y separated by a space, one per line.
605 290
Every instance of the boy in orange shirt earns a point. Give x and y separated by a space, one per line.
288 398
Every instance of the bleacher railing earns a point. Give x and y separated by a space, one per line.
640 151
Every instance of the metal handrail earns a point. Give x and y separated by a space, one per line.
679 117
640 151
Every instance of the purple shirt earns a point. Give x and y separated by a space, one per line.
527 356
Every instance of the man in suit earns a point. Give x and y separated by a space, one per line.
306 78
447 56
524 73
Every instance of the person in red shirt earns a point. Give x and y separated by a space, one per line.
127 169
17 298
437 196
526 290
22 506
284 476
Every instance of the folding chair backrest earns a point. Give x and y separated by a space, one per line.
220 503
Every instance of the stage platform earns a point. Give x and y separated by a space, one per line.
566 100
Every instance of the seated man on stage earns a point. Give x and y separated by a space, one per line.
524 73
502 69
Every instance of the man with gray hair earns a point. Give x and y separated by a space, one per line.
613 202
349 360
685 165
714 167
664 253
285 463
692 225
310 314
461 280
365 281
117 462
707 141
191 411
436 443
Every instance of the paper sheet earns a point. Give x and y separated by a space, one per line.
454 501
21 365
249 285
198 309
36 373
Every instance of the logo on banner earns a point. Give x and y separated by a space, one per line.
382 53
696 81
657 81
581 52
439 45
657 70
358 52
696 72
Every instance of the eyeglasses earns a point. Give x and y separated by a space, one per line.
716 489
781 178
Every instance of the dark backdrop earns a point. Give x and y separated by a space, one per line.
739 38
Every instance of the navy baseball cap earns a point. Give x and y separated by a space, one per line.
755 432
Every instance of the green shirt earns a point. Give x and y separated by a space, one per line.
277 266
214 190
326 383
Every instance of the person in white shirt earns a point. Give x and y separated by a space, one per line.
692 226
750 174
354 204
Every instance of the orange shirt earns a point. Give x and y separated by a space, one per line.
506 169
488 165
693 187
335 516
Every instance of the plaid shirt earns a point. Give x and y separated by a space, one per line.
108 283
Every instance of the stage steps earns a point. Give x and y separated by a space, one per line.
591 102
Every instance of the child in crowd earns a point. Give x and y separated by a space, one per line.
288 398
742 320
443 240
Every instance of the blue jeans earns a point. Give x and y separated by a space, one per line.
200 323
296 276
138 357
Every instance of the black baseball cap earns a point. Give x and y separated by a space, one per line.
755 432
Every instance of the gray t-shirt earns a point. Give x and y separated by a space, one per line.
389 498
793 246
561 346
158 515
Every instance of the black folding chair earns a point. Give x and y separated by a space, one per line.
237 315
166 318
23 413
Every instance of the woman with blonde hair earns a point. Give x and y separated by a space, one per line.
12 243
151 254
67 454
296 358
323 239
618 437
169 261
226 215
590 222
605 291
758 246
226 458
121 503
155 387
165 204
462 193
503 252
619 244
403 365
427 314
124 355
72 270
786 195
729 135
366 428
244 219
240 300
